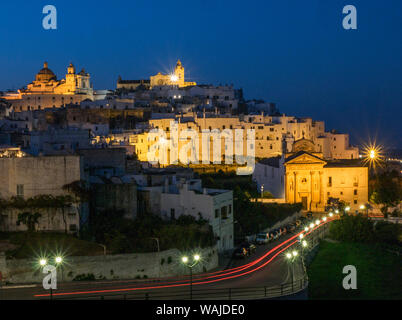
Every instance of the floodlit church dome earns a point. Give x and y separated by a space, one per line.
45 74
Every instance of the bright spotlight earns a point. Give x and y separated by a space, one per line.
58 260
173 78
43 262
362 207
196 257
184 259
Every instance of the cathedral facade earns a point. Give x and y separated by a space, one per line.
174 79
48 92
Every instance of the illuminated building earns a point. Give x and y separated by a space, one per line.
174 79
48 92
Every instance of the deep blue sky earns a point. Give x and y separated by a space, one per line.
294 53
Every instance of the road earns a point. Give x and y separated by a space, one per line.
248 278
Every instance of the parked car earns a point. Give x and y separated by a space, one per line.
292 227
250 248
262 238
240 253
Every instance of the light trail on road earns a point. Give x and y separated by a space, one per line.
201 279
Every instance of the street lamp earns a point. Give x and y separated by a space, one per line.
336 211
58 260
42 262
291 256
185 260
317 222
330 214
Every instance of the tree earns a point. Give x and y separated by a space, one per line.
29 219
387 191
80 192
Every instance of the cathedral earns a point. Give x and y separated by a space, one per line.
304 176
174 79
48 92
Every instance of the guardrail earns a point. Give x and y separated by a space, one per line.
252 293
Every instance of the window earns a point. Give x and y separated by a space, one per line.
355 201
216 213
73 227
355 192
329 181
172 214
20 190
224 212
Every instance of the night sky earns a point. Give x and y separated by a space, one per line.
294 53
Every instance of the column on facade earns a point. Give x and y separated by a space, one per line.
295 187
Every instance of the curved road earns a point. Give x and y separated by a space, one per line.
268 267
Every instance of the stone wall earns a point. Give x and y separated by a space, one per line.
122 266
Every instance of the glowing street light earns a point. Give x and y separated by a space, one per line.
288 255
336 211
301 236
58 259
331 214
306 229
295 253
324 219
196 259
304 243
42 262
362 207
311 225
317 222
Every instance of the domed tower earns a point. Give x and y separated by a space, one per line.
70 69
45 74
179 72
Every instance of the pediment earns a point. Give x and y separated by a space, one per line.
305 158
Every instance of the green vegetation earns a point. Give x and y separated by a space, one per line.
122 235
251 217
361 229
387 190
34 244
30 208
378 272
84 277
